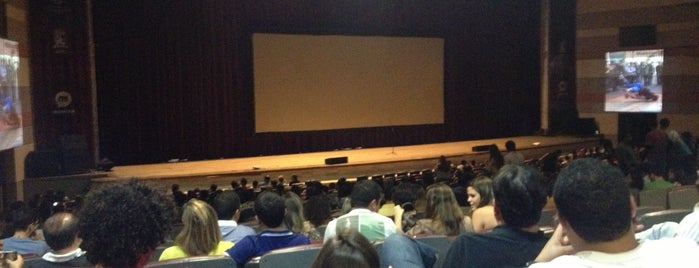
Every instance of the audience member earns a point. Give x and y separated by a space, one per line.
318 213
657 145
24 240
519 199
227 206
61 234
366 200
270 211
655 180
405 212
443 216
513 156
596 229
480 198
200 234
443 169
122 223
682 162
626 156
294 218
349 249
495 159
179 197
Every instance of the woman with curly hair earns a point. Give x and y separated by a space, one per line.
200 234
443 216
480 197
122 223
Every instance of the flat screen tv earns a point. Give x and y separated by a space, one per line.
633 81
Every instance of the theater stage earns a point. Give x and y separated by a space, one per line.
311 166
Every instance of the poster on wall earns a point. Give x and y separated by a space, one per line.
10 101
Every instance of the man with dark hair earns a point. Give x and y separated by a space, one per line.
513 156
657 147
61 233
270 210
519 199
366 199
595 210
25 223
122 223
227 206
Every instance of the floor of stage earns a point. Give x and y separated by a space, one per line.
361 162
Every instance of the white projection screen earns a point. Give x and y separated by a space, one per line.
322 82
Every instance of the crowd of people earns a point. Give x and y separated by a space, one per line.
490 210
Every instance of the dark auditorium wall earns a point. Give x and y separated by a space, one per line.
174 78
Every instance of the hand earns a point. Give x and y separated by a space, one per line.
18 263
558 245
398 210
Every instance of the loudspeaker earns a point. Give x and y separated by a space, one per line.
75 154
634 36
480 148
336 160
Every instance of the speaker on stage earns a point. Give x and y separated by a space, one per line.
336 160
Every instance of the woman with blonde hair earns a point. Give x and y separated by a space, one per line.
481 198
200 234
443 216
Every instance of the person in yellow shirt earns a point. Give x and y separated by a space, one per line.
200 234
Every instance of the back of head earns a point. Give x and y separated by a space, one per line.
364 192
404 192
294 212
121 223
200 233
519 195
226 204
442 207
60 230
510 145
664 123
317 210
593 198
270 209
23 217
349 249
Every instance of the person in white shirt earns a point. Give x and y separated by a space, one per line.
596 229
513 157
366 199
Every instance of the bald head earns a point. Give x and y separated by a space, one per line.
61 231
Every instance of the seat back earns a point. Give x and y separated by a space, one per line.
673 215
195 262
298 256
441 243
642 210
683 197
547 218
656 197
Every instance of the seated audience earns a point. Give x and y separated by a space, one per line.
349 249
227 206
480 198
495 160
366 200
656 180
443 216
318 213
512 156
24 240
405 210
596 229
519 198
61 234
122 223
294 218
270 211
200 234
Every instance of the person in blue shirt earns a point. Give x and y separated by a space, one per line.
270 210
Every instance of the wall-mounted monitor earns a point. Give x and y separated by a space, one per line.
633 81
10 104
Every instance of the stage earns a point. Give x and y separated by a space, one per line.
311 166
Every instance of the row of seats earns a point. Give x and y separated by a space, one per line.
683 197
299 256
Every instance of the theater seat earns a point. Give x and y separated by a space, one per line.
673 215
683 197
653 198
195 262
441 243
298 256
